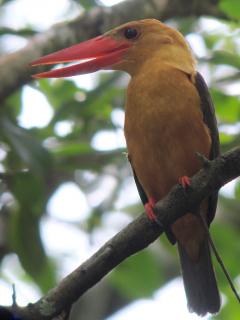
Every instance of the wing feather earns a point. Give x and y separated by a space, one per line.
209 118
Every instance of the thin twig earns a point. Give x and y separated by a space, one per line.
219 259
14 296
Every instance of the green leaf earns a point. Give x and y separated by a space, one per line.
227 107
58 92
24 32
230 309
226 239
138 276
31 152
25 238
185 24
29 190
87 4
231 8
226 138
226 58
27 243
13 103
237 190
72 148
211 40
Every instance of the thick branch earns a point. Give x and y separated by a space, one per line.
135 237
15 70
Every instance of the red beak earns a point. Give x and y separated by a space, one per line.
98 53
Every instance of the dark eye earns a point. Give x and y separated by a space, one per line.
130 33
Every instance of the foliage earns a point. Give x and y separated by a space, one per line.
36 161
231 8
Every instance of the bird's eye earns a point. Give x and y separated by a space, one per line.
130 33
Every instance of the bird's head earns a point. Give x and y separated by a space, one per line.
127 47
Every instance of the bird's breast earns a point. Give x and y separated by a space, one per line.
164 129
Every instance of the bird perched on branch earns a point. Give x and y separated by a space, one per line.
169 118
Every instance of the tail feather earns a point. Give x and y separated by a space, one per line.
199 281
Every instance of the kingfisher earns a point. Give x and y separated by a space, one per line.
169 117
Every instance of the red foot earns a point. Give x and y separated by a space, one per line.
184 181
149 209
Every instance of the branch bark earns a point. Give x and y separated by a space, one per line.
135 237
15 70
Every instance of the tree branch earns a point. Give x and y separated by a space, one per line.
15 70
135 237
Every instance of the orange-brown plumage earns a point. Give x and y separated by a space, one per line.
169 118
159 118
164 129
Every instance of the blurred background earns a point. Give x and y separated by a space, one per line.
66 186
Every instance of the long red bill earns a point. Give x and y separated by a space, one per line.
95 54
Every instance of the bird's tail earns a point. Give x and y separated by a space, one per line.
199 281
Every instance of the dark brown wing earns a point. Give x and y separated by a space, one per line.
140 189
141 192
210 120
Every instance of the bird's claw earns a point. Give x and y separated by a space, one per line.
205 161
149 209
184 181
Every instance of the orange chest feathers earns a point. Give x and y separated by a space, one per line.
164 129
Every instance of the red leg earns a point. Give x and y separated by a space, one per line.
149 209
184 181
